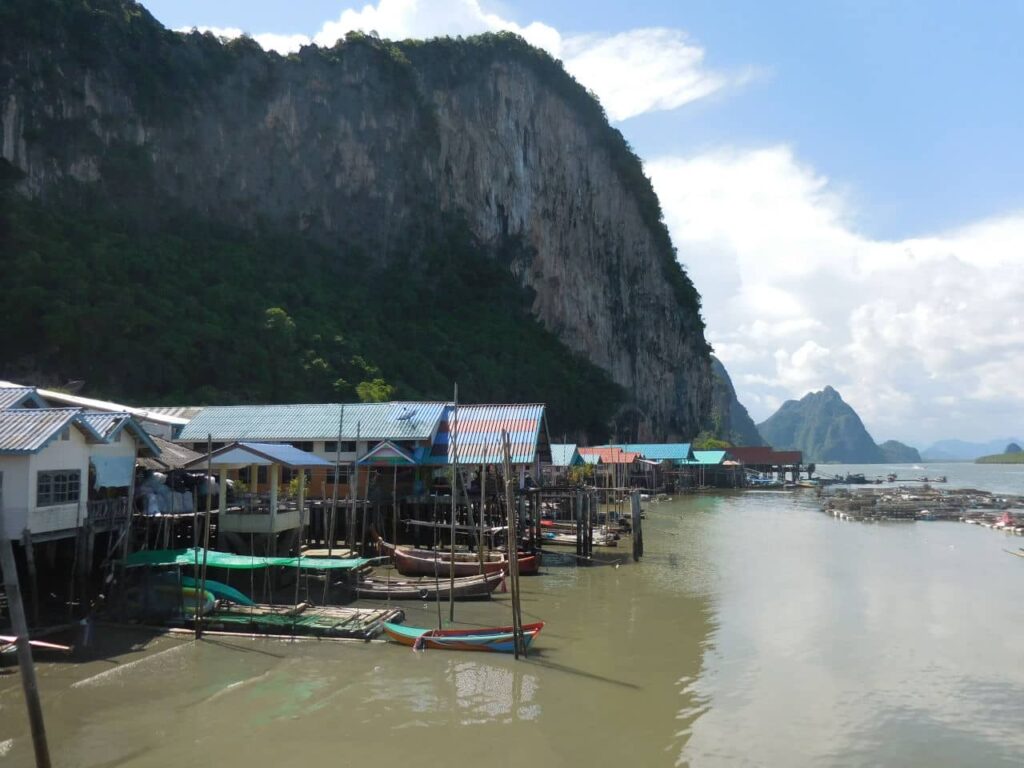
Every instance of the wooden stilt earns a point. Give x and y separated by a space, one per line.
453 427
206 535
30 561
28 671
519 646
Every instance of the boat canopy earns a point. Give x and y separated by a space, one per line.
215 559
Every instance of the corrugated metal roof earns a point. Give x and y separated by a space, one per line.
764 455
591 458
707 458
246 454
104 424
478 431
28 430
171 456
610 454
54 397
660 451
319 421
186 412
565 455
16 397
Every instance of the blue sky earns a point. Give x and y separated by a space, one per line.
864 161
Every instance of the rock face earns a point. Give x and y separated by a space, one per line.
824 427
728 418
895 452
369 145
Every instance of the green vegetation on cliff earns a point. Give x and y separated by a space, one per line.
1010 457
191 312
203 221
895 452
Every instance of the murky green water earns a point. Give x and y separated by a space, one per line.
757 631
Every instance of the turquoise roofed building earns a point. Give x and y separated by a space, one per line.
565 455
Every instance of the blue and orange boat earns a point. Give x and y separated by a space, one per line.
494 639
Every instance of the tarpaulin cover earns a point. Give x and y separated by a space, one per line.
214 559
113 471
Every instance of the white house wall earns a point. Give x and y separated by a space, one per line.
59 454
15 493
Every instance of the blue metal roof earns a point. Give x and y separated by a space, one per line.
478 431
565 455
29 430
372 421
246 454
659 451
108 424
103 423
707 457
17 397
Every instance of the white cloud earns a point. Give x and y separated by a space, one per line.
638 71
922 336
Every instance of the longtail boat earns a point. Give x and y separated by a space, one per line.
475 587
493 639
427 562
9 643
569 539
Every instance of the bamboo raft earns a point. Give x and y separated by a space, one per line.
302 619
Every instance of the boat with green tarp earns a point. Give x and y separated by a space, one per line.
172 598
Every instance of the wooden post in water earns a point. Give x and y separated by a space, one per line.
577 516
206 536
513 550
353 493
638 532
30 561
298 561
334 496
28 671
483 504
453 428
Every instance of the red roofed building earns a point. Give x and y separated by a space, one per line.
614 469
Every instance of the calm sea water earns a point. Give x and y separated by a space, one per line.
757 631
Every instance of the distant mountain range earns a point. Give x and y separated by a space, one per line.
960 450
827 429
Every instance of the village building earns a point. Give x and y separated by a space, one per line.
164 422
764 461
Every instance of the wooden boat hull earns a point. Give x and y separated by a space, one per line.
477 587
488 639
424 562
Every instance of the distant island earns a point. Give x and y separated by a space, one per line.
827 429
895 452
961 450
1012 454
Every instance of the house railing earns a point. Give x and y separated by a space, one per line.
108 511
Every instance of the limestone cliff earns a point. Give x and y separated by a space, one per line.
824 427
728 418
369 145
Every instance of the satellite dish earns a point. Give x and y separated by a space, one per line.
405 414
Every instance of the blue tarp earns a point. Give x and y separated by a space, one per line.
113 471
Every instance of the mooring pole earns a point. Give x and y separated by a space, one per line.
518 644
20 626
452 436
200 598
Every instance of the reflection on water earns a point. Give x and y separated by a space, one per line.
757 631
